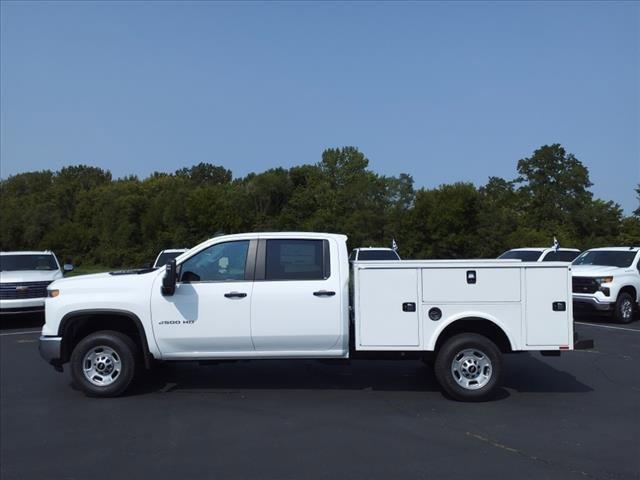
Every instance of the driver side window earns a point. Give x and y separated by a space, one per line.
223 262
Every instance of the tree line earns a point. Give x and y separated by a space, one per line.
85 215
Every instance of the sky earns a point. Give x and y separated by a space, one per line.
446 92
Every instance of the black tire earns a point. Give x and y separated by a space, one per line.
113 347
625 309
452 350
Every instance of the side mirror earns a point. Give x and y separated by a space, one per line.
170 278
67 267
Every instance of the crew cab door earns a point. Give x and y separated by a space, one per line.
210 311
296 298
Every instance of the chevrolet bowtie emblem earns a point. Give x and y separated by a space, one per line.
22 288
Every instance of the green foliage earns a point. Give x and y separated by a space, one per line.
84 215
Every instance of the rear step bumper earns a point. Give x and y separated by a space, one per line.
578 344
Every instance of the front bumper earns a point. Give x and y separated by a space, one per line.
50 349
21 305
592 303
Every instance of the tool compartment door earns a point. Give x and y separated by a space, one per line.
547 323
470 285
387 313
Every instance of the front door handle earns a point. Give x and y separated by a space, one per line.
324 293
235 295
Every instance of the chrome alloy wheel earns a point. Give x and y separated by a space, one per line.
626 309
101 366
471 368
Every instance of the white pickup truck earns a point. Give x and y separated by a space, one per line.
24 277
286 295
607 280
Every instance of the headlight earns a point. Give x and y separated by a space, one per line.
601 280
53 293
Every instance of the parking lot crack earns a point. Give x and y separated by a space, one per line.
516 451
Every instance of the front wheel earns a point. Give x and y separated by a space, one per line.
103 364
625 310
469 367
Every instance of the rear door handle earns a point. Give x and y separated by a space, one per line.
235 295
324 293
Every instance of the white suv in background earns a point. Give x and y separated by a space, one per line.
607 280
541 254
24 277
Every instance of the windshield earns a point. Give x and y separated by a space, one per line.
378 255
606 258
524 255
10 263
165 257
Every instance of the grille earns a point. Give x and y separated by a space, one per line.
584 285
15 291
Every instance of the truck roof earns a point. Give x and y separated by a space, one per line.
251 235
336 236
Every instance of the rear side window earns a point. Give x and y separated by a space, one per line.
560 256
297 260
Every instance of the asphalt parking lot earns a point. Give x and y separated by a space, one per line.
577 416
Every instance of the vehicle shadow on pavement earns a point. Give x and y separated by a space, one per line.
21 321
523 373
288 374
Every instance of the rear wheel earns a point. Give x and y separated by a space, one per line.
103 364
469 367
625 308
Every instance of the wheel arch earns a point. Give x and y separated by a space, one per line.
474 323
631 290
78 324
